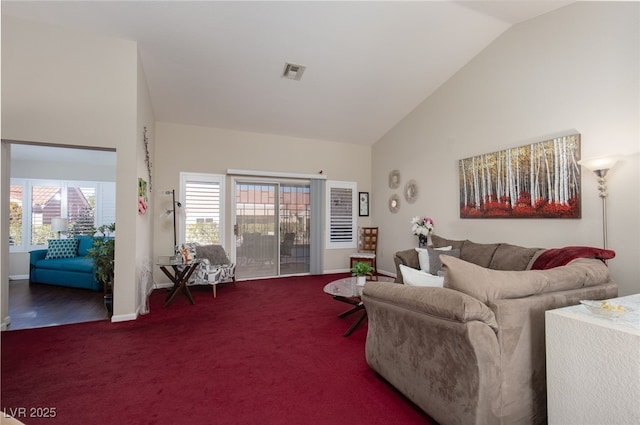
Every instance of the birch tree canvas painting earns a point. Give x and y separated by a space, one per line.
540 180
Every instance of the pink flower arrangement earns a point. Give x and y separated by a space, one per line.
422 227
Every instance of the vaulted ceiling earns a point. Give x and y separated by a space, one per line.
220 64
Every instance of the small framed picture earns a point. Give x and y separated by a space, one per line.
364 204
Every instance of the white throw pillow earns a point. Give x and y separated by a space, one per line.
413 277
423 257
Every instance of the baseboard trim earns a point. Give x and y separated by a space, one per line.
6 321
19 277
124 317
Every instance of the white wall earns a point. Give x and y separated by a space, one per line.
144 225
574 69
183 148
62 171
70 88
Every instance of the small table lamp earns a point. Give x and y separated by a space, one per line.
59 224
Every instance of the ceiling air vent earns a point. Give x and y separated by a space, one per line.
293 71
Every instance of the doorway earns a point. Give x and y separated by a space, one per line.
272 229
71 176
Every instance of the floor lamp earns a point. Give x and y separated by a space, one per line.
600 167
172 211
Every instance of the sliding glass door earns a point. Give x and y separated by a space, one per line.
256 224
272 228
295 216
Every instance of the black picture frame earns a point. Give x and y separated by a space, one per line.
363 199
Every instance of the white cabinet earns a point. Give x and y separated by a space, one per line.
593 365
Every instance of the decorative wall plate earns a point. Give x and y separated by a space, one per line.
411 191
394 203
394 179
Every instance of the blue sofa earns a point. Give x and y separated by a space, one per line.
75 272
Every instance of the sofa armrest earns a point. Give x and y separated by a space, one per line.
445 303
430 345
521 337
37 255
409 258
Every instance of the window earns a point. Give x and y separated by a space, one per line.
33 203
202 220
15 215
341 214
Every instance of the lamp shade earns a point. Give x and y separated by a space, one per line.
59 224
600 163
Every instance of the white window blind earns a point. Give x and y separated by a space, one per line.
341 218
202 205
34 203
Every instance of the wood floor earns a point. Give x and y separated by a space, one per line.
37 306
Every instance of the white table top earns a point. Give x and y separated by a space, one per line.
629 321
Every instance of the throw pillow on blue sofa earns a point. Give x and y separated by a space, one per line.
62 248
84 244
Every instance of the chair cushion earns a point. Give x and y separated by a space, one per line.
84 244
76 264
413 277
214 253
435 265
478 253
487 285
363 255
62 248
408 257
423 257
512 257
440 242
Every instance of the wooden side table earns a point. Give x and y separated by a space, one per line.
179 273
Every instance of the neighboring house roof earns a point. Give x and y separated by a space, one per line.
15 195
46 200
43 195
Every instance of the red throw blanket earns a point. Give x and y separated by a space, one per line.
560 256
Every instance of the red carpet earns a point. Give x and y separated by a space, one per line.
263 352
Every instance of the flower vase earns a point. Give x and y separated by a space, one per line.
360 280
424 241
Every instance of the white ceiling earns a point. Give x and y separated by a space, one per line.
219 64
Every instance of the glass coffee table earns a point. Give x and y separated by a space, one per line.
345 290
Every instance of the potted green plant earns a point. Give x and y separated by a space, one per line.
361 270
103 254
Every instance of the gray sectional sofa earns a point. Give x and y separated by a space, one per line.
473 351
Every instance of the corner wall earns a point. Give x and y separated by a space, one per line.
574 69
144 223
71 88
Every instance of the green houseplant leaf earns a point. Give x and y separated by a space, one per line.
103 254
361 269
